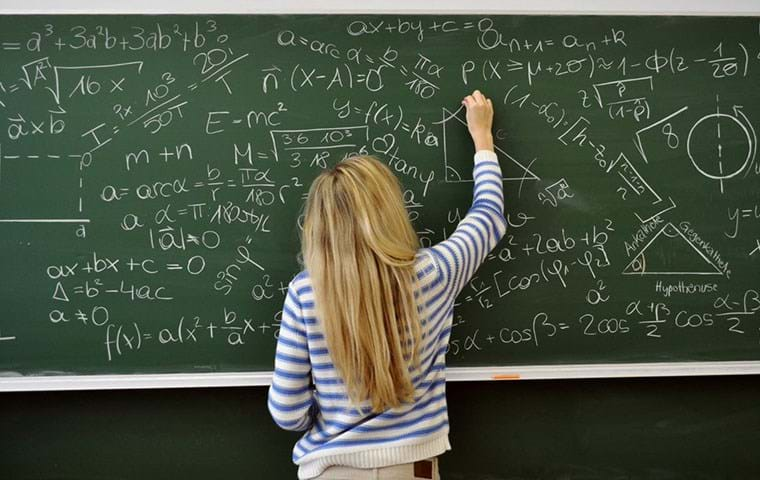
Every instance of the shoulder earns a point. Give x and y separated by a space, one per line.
300 277
300 285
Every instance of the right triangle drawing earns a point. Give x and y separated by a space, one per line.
669 252
512 169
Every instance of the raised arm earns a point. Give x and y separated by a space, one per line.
460 255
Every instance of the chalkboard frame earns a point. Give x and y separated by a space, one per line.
62 382
454 374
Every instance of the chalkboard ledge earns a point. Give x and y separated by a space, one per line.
17 383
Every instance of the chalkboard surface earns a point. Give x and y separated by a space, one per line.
153 168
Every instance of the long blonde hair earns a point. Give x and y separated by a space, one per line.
358 246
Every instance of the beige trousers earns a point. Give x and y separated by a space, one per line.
426 469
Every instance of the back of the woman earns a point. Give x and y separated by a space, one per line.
360 362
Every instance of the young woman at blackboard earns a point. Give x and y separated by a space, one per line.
368 319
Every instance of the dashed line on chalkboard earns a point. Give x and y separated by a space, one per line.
81 182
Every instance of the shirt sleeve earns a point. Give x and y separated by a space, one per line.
290 397
484 225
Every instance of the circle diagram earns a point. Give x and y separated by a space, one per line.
719 146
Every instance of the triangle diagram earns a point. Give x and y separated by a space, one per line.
669 252
453 155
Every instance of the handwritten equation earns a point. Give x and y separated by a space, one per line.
153 171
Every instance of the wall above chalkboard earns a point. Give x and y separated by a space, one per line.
443 7
153 168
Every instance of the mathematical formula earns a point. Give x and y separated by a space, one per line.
153 169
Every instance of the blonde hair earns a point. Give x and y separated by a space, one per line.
358 245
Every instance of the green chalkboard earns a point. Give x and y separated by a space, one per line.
153 168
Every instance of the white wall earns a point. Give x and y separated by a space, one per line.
683 7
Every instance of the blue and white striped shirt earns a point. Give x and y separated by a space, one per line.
339 433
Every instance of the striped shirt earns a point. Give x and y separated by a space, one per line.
308 395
